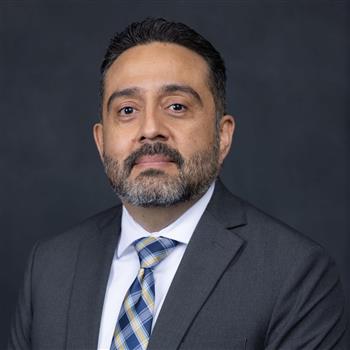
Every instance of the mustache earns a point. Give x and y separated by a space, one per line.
151 149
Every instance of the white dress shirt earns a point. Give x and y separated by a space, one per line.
126 265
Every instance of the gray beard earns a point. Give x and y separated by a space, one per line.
156 188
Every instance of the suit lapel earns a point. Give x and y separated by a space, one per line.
211 249
91 277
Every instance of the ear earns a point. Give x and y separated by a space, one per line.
98 136
227 128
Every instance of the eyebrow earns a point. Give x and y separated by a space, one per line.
170 88
182 88
129 92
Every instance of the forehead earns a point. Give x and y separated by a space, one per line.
153 65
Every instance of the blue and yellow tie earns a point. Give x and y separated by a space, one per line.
134 323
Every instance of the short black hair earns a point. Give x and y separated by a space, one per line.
160 30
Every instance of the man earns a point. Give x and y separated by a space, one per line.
182 263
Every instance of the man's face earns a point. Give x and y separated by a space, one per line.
158 140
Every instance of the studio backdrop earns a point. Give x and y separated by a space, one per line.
288 88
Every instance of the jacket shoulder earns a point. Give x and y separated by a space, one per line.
268 230
69 241
268 242
254 225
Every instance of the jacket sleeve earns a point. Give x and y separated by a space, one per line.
309 311
20 334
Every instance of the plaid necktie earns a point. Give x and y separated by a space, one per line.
134 323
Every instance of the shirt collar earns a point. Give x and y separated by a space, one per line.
180 230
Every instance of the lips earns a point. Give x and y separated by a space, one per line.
153 155
153 159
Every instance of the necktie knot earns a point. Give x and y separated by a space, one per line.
152 250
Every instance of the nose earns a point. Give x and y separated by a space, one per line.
152 127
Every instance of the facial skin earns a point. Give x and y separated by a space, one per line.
158 139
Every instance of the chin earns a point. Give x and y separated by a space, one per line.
153 188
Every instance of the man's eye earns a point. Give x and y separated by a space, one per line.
177 107
127 110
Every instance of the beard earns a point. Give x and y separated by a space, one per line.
154 187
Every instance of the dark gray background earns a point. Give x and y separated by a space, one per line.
288 73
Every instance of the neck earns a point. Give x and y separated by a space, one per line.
154 219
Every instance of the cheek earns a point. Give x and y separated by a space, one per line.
204 136
196 141
116 145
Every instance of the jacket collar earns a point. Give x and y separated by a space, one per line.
214 245
91 277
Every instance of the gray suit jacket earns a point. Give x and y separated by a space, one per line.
246 281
